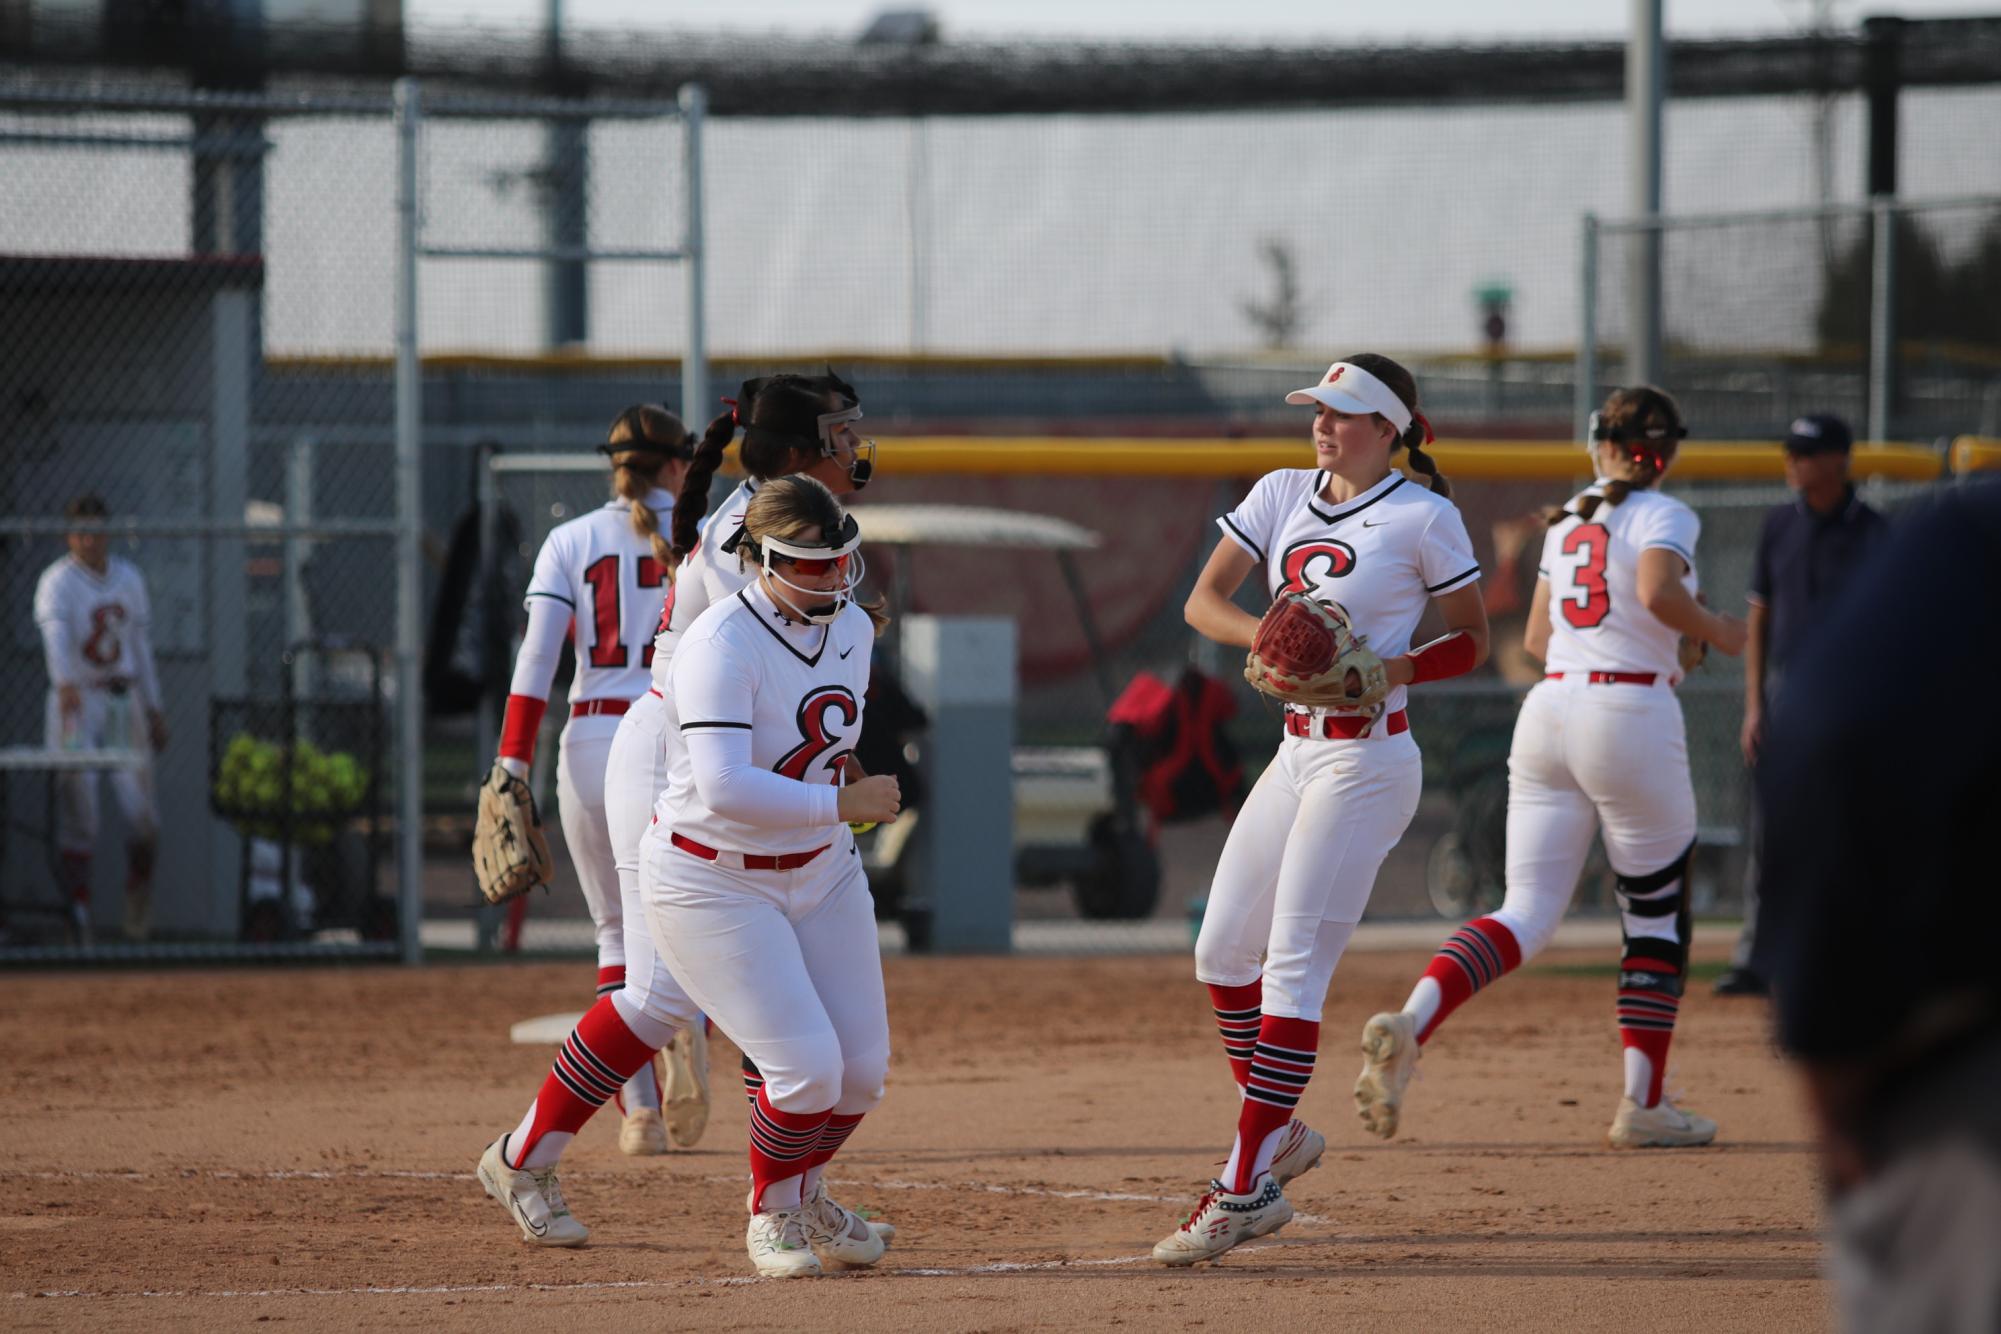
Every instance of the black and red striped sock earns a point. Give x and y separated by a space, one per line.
1281 1066
600 1054
753 1080
611 977
781 1146
1238 1010
1477 955
1646 1021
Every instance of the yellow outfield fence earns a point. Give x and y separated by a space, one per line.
1974 453
1472 460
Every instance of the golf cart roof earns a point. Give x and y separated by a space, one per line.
970 526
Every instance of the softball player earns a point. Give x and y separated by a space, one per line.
753 887
793 424
92 611
1599 744
601 578
1302 855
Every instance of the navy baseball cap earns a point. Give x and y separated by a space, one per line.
1819 433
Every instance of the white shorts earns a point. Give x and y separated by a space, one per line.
1300 862
107 721
786 963
1588 758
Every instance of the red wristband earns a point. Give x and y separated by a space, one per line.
1448 655
517 733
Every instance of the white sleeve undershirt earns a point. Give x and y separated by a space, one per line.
541 648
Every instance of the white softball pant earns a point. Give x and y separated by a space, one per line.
1300 862
106 721
653 1004
580 804
1584 757
785 962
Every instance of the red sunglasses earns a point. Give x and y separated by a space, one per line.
811 566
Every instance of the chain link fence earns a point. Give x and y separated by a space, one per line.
151 272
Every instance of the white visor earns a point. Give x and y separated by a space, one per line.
1348 388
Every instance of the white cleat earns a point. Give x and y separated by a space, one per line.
684 1087
533 1198
642 1134
1661 1126
887 1231
1298 1153
1389 1059
778 1246
1222 1220
838 1236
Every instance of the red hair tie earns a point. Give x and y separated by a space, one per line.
1425 422
735 419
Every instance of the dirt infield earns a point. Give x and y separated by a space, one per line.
219 1149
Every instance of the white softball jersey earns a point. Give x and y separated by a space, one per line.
707 575
94 627
604 578
1380 558
762 712
1597 623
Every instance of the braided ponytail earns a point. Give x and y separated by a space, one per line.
693 502
1422 463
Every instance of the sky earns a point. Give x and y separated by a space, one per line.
1247 20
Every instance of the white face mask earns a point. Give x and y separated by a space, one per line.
862 466
814 604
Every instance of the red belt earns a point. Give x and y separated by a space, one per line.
1343 726
591 708
1611 678
790 861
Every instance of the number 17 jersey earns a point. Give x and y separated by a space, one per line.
1597 622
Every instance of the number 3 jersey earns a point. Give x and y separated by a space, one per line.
604 576
1380 557
1597 623
762 712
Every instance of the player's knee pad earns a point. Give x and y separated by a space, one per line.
1655 960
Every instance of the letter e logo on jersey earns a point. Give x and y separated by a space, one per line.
1307 564
819 737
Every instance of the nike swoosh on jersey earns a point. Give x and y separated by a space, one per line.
846 651
1377 523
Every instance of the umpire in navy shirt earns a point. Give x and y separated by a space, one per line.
1809 552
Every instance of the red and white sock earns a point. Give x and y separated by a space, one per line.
1280 1068
832 1136
782 1145
1477 955
600 1054
1646 1028
1238 1011
643 1089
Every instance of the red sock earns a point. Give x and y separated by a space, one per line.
1478 954
611 979
1238 1010
510 930
753 1080
781 1145
1646 1020
832 1136
1280 1069
596 1060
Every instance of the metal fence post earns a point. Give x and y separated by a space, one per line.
1585 396
695 407
1882 314
409 526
